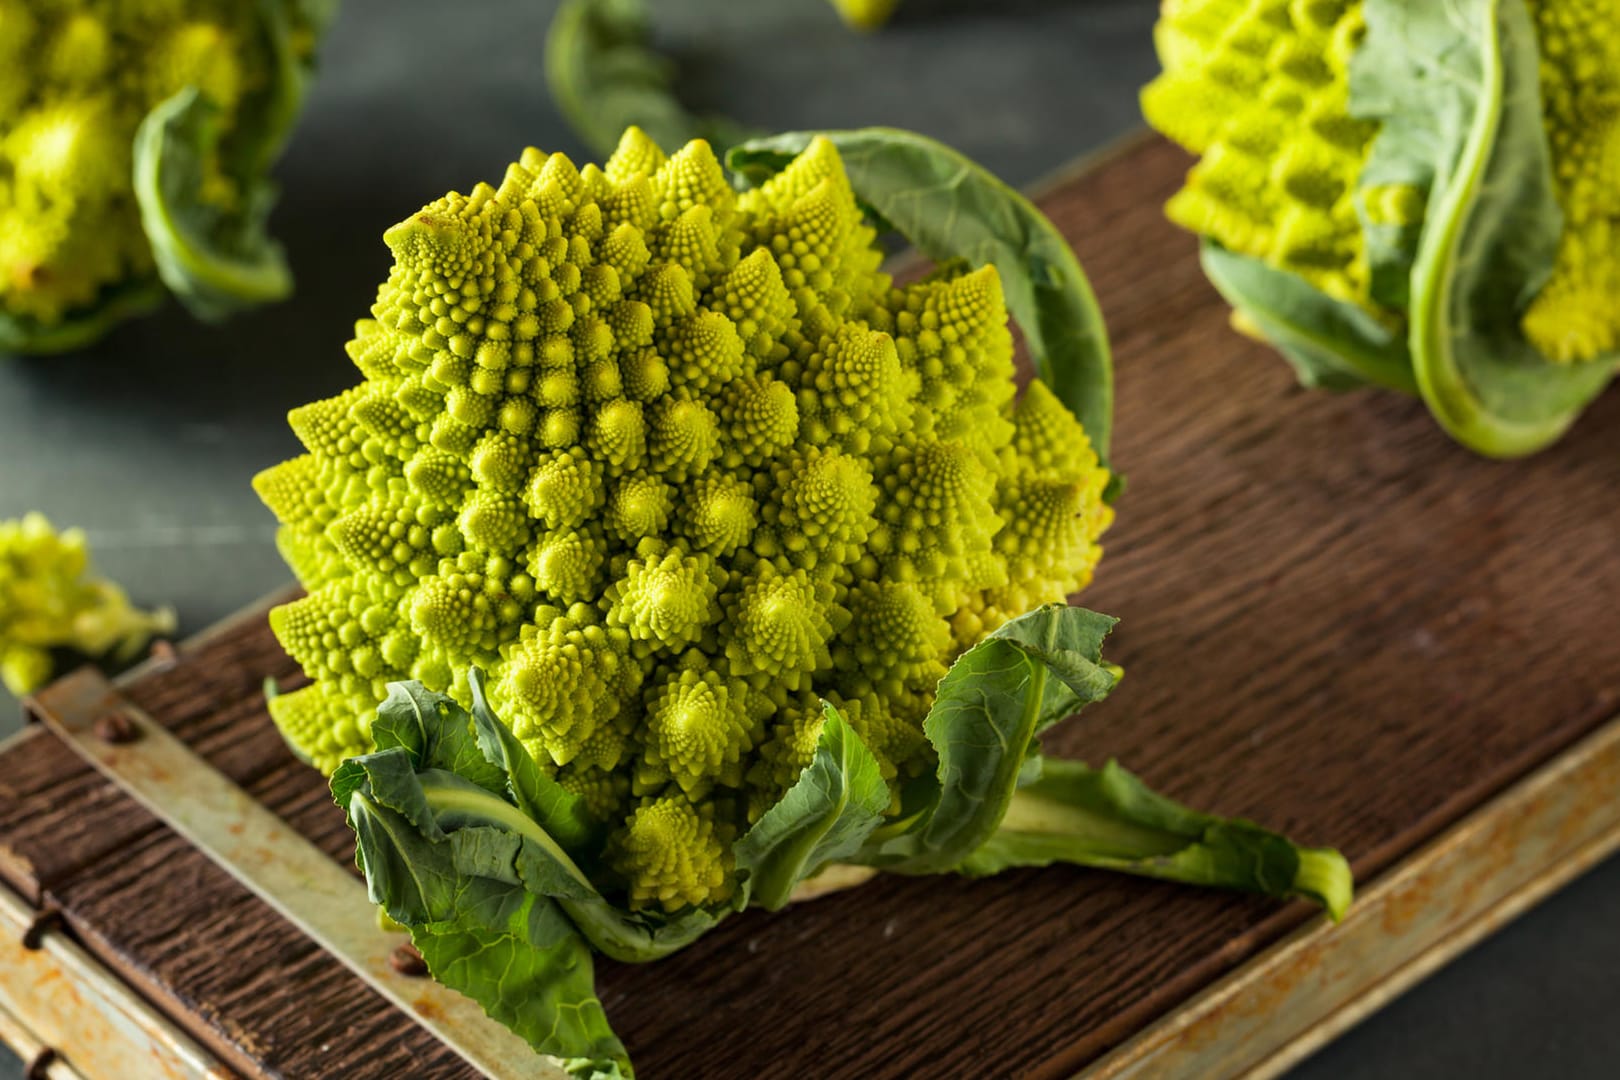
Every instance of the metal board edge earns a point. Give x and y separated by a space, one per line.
40 1062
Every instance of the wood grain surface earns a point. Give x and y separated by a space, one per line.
1334 621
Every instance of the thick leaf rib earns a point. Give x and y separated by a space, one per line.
1109 819
825 817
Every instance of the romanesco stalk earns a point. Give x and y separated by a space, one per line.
49 600
671 463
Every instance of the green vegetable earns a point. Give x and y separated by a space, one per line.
1416 196
675 465
135 143
605 76
747 539
463 839
49 601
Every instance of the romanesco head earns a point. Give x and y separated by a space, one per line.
673 464
1260 89
77 78
49 600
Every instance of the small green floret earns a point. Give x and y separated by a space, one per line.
49 600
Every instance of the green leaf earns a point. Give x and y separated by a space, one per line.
436 731
826 816
441 803
406 873
1107 818
1456 89
1331 344
985 716
511 950
996 803
216 260
490 851
390 779
1068 641
265 120
561 814
952 208
519 957
605 76
312 16
458 805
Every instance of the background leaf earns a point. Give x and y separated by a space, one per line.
215 259
1331 344
113 306
605 76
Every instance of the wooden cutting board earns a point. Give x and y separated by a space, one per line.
1334 622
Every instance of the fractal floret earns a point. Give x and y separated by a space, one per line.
1419 196
49 601
134 143
674 465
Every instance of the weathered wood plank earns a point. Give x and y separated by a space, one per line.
57 816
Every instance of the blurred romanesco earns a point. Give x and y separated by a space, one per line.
48 601
134 141
1261 89
865 14
670 462
1382 151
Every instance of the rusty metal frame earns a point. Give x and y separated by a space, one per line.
40 1061
72 1019
1490 867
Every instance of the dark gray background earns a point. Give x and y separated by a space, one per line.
148 441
